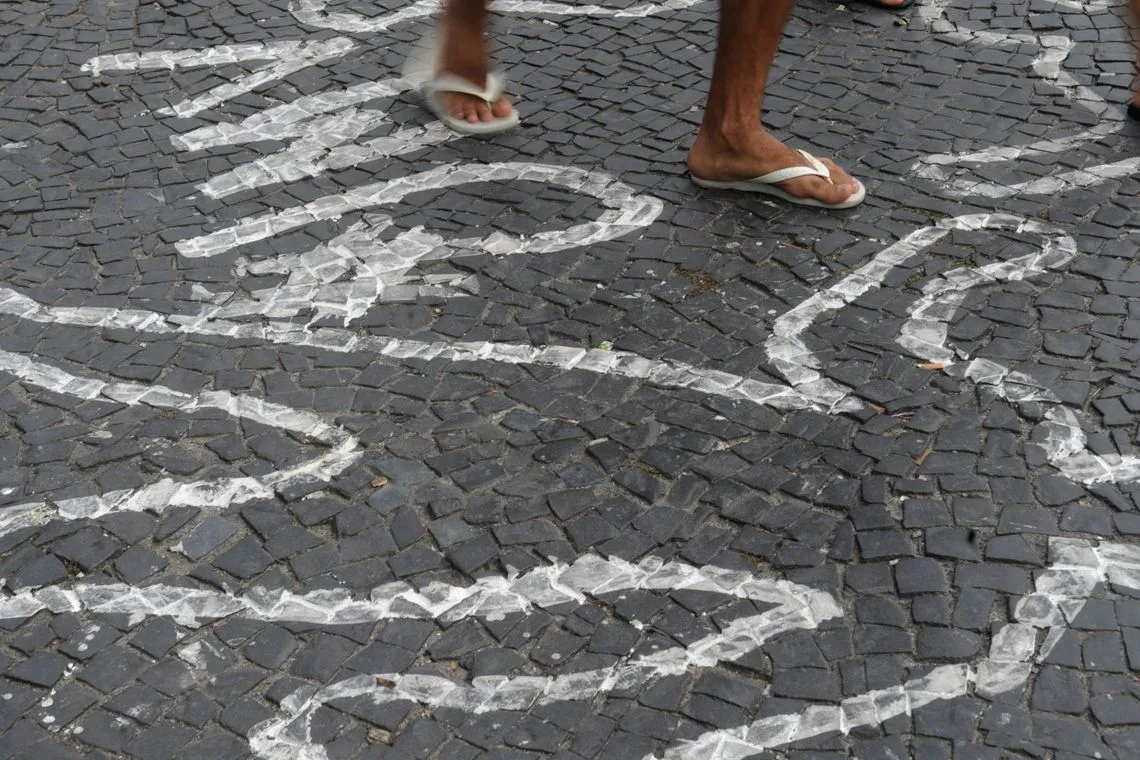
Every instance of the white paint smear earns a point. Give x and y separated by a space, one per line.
316 13
786 348
1066 446
1060 435
214 494
312 281
798 607
288 120
622 363
326 128
925 333
358 268
925 336
243 407
1076 568
1060 592
1048 65
492 597
284 58
1060 183
626 210
350 274
870 709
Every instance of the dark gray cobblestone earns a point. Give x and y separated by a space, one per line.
927 513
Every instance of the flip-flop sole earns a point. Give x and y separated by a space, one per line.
751 186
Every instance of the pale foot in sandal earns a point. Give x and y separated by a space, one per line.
452 74
468 108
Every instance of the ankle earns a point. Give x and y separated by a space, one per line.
730 136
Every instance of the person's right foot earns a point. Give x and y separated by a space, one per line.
723 160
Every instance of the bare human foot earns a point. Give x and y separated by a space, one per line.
722 158
465 56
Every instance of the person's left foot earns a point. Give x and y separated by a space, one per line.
465 56
472 109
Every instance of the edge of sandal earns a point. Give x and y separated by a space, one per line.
431 89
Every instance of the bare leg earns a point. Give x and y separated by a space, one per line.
465 54
731 144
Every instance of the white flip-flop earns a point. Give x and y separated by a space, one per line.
766 184
432 89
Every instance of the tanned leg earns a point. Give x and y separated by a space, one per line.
731 144
465 54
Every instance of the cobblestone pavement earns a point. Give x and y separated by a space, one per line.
328 434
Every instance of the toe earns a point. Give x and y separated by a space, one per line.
844 184
841 187
502 108
839 175
482 111
470 111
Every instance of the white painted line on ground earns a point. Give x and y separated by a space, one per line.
316 13
327 127
786 348
493 598
1066 446
350 274
925 336
55 379
925 333
216 494
870 709
622 363
213 495
1060 435
357 269
798 607
1054 50
626 211
1060 592
1054 185
284 58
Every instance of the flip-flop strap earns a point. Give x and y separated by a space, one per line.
453 83
817 169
